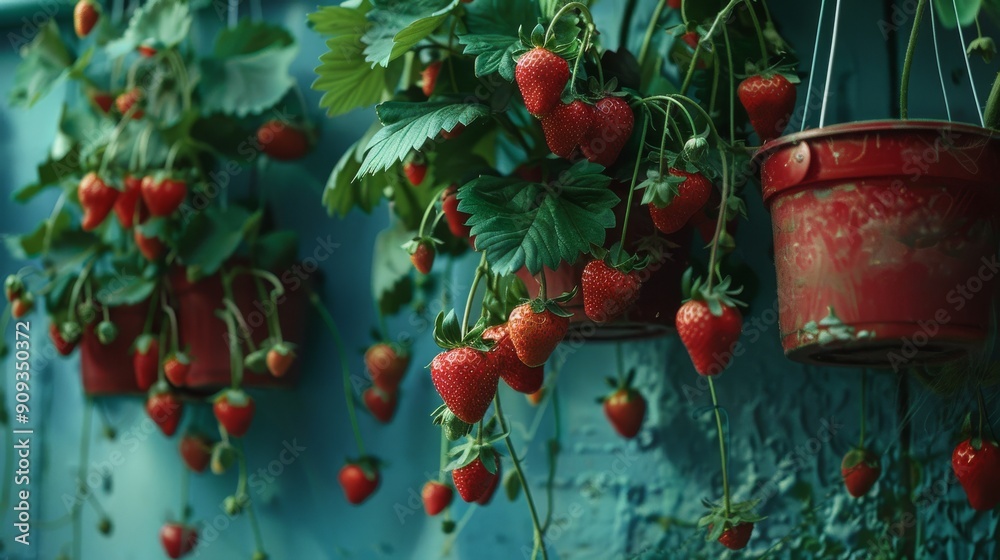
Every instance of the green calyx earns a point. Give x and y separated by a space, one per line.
369 464
720 521
223 457
448 333
718 297
619 259
471 450
662 188
235 397
539 305
256 361
70 331
454 427
539 38
411 246
857 456
13 286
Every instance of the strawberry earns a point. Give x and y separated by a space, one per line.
691 196
691 38
146 50
234 409
976 463
423 257
359 480
85 16
536 397
625 408
611 124
541 76
709 325
13 287
177 539
63 346
473 479
146 361
150 247
163 196
535 332
386 366
769 100
127 100
675 4
22 306
860 469
196 450
103 100
607 292
381 404
430 76
436 497
487 496
467 380
280 359
165 409
176 368
513 371
97 200
736 537
415 171
282 141
455 132
530 173
456 218
566 126
127 204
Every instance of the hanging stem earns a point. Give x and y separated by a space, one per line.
81 478
722 447
635 176
911 47
554 445
235 357
648 39
720 222
864 406
539 534
348 390
991 118
760 33
251 514
172 317
583 50
584 11
480 270
732 87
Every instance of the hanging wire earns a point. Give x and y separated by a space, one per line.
937 57
829 69
968 67
812 67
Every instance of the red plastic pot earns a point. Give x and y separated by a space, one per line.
206 336
107 369
890 225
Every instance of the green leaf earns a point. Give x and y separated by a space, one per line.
398 26
409 125
160 23
128 290
27 192
967 11
391 282
500 16
495 53
249 69
343 192
46 63
213 236
533 225
276 250
333 21
347 81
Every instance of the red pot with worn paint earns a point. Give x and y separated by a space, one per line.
205 335
885 240
107 369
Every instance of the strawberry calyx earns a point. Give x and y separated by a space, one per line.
143 342
235 397
623 383
13 287
537 39
719 521
662 188
454 427
786 70
858 456
718 297
369 464
471 450
412 245
539 305
619 259
448 333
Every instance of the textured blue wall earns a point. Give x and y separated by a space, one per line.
790 424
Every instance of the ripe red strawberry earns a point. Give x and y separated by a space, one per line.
860 469
566 126
382 405
96 198
282 141
977 466
85 16
541 76
415 172
165 409
467 380
423 257
386 366
487 496
607 292
736 538
709 338
163 196
196 450
176 368
146 51
430 76
127 204
280 360
675 4
530 173
146 361
177 539
150 247
473 480
64 347
611 124
535 335
21 306
125 101
456 219
769 100
691 38
455 132
625 408
358 484
103 100
436 497
691 196
234 409
513 371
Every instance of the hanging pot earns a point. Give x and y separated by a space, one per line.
206 336
107 369
885 240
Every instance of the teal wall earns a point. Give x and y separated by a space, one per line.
790 424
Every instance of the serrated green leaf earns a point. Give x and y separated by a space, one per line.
494 53
129 289
32 244
500 16
520 224
391 281
333 21
45 63
161 23
395 26
212 236
347 80
343 192
409 125
967 11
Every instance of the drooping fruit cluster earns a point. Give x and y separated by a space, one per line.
386 364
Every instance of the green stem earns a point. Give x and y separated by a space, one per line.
982 409
635 177
722 447
543 289
539 534
650 30
991 118
75 294
443 458
348 390
623 32
732 87
620 360
715 80
81 477
579 56
251 514
172 317
150 315
584 11
184 494
427 211
911 47
273 322
720 222
235 312
864 383
760 33
480 270
235 357
554 445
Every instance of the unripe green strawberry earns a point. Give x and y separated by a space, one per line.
541 75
